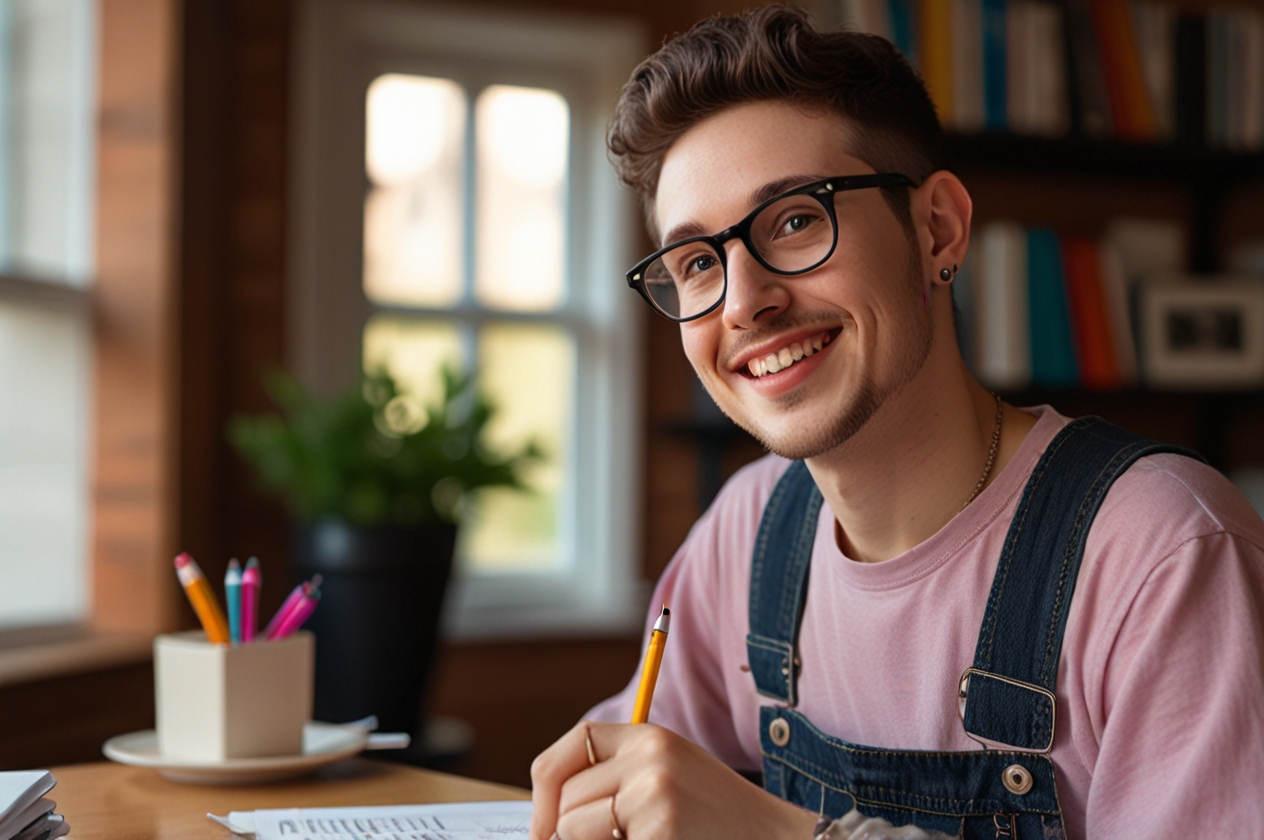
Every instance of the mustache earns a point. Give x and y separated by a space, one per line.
784 323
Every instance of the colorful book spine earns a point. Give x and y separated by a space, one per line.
903 28
1090 318
994 60
1138 94
936 43
1089 82
1115 287
967 66
999 277
1053 362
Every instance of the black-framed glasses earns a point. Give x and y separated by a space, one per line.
788 234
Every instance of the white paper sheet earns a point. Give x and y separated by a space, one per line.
450 821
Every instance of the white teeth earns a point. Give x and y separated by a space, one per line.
786 356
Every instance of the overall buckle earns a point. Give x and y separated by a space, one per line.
1003 713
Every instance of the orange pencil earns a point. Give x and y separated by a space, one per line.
202 597
649 673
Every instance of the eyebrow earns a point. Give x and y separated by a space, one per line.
758 196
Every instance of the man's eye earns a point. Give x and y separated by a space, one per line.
796 223
698 265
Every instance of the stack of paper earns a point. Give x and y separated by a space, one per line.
454 821
25 813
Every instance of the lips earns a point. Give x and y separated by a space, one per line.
788 355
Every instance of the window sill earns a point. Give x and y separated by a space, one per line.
38 653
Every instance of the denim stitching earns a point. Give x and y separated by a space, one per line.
775 501
983 656
787 609
1078 539
970 807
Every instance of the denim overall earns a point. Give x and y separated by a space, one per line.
1006 698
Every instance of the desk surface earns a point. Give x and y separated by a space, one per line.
107 801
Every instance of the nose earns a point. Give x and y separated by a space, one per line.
754 294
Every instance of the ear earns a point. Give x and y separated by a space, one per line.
941 209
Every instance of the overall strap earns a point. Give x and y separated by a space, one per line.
779 582
1007 697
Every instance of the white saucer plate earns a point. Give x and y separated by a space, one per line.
323 743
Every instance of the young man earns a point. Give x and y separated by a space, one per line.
970 656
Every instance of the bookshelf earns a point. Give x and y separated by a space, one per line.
1207 175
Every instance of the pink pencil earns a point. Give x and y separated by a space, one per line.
251 583
291 601
305 607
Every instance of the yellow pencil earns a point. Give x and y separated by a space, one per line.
649 673
203 600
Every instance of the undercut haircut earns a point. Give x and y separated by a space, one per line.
774 53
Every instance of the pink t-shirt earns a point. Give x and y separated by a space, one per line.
1160 712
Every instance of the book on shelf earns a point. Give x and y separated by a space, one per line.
1093 326
1053 361
999 274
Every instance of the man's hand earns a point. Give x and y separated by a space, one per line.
663 787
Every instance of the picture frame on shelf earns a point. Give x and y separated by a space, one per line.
1202 333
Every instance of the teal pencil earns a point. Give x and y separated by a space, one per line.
232 596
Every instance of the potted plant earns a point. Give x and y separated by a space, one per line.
375 481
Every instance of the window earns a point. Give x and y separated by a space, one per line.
454 204
46 154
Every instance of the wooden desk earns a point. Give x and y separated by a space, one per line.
107 801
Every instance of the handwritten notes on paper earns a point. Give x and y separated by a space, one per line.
451 821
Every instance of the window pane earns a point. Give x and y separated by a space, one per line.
413 350
413 215
520 210
528 372
43 465
47 67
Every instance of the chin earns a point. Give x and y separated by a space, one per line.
797 440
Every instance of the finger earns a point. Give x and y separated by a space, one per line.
590 821
567 756
592 783
622 752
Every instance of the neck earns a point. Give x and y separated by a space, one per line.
903 476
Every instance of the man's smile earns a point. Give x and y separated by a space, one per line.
787 355
780 353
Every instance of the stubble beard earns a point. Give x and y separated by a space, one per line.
833 432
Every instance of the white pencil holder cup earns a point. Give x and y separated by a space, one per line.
216 702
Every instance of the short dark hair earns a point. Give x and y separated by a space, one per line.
774 53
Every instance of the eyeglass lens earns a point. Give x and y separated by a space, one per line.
792 234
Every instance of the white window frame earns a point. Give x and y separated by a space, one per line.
57 87
340 47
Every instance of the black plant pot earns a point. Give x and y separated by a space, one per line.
377 624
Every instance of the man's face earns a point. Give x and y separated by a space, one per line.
864 307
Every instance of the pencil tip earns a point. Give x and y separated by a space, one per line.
665 610
183 559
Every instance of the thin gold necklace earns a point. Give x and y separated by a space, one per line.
991 459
